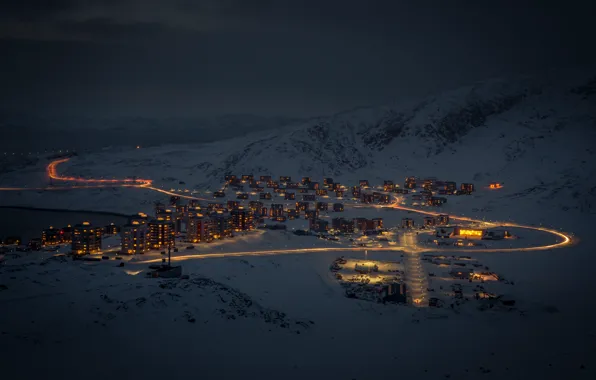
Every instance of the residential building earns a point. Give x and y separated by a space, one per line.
285 179
265 196
467 188
51 236
410 183
342 225
292 214
429 221
309 197
247 178
199 229
321 192
338 207
219 194
161 233
322 206
276 210
134 238
407 223
363 183
311 214
242 219
302 206
443 220
388 186
86 239
289 196
222 226
436 201
318 225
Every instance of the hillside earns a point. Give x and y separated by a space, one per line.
533 134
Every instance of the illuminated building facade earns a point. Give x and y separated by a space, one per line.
255 207
134 238
321 192
221 226
289 196
265 196
51 236
242 219
292 214
466 188
342 225
322 206
443 220
407 223
111 229
311 214
302 206
305 180
276 210
339 193
436 201
86 239
318 225
469 233
388 186
429 221
198 229
410 183
161 233
232 205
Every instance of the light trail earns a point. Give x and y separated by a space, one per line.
52 172
270 253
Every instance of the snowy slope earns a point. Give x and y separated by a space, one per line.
535 135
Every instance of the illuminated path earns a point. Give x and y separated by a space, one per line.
52 173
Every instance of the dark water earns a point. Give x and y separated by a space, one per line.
29 223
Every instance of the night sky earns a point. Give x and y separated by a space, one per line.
294 58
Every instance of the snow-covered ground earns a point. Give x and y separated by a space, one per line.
286 316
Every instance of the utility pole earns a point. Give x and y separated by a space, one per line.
170 255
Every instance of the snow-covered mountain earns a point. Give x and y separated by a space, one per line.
534 134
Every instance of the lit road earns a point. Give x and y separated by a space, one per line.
86 183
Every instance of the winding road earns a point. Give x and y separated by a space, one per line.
415 276
86 183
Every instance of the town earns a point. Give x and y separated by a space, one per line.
326 210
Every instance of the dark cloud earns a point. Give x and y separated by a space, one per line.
27 10
297 57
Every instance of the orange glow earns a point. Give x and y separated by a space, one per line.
472 233
495 185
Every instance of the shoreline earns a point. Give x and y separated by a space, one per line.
65 210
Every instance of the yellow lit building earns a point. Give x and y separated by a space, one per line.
134 238
161 233
86 239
